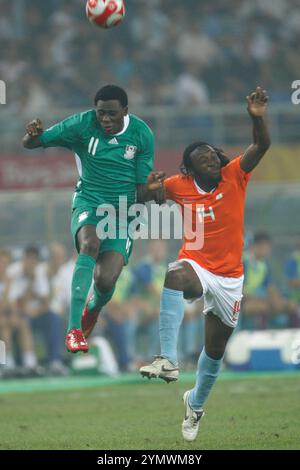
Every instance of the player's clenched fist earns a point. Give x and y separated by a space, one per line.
35 128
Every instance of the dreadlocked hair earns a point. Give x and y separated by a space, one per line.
186 166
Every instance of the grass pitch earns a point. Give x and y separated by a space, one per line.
259 412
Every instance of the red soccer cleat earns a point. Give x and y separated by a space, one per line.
75 341
88 321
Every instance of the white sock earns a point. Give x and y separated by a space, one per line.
29 359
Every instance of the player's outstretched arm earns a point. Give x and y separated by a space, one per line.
34 129
257 105
153 190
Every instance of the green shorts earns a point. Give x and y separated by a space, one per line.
87 216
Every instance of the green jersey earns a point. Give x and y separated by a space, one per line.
109 166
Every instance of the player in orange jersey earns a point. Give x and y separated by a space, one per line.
214 187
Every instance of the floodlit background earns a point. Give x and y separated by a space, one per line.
187 67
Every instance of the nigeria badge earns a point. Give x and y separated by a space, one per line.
130 152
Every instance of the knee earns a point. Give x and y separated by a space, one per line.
105 281
90 246
215 352
176 278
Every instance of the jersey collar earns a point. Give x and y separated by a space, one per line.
201 191
126 124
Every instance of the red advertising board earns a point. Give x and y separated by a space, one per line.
36 171
39 171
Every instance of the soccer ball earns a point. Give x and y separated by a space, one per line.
105 13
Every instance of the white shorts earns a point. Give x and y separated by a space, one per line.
222 295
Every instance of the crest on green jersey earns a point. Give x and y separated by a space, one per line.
130 152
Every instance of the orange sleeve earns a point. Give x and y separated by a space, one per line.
234 168
170 184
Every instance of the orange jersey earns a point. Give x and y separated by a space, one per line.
223 218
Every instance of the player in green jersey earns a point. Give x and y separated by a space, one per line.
114 152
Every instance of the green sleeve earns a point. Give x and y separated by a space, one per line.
145 158
62 134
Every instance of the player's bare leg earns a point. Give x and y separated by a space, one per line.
181 282
217 335
107 271
89 245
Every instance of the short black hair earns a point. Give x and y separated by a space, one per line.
262 237
112 92
186 166
32 250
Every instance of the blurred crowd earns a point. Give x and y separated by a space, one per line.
35 298
166 52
